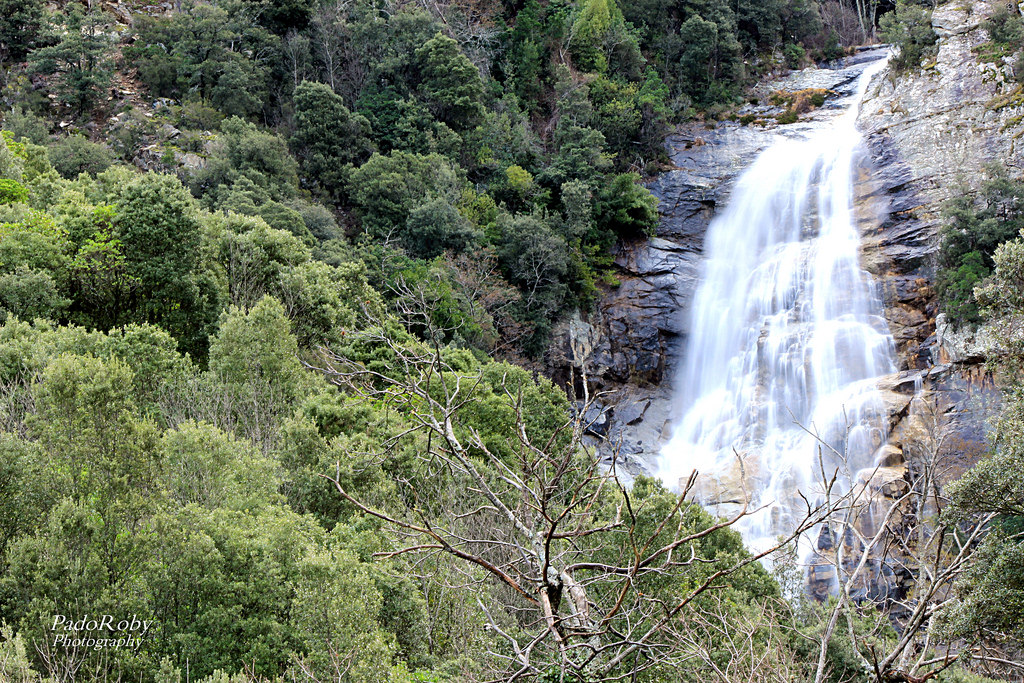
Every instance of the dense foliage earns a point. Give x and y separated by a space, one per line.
975 226
909 29
475 119
214 218
162 449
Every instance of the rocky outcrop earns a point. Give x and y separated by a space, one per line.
629 345
930 134
927 134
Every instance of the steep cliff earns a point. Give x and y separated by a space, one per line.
630 344
928 135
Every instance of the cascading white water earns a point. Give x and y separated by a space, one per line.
786 339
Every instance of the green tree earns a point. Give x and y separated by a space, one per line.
77 561
698 60
202 465
435 227
75 154
246 155
909 28
34 241
336 610
28 294
526 54
240 88
80 62
386 189
101 283
257 347
254 365
158 224
601 42
21 22
449 83
221 586
99 450
593 21
328 138
626 208
12 191
323 302
580 155
281 16
208 52
24 494
975 227
536 259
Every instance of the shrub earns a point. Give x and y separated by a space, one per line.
1005 26
787 117
973 231
198 114
75 154
30 294
12 191
909 28
794 55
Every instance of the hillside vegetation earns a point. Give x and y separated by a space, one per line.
276 280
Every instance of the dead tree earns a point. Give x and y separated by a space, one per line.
900 532
538 519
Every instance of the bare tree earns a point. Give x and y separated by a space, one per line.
894 561
746 648
571 549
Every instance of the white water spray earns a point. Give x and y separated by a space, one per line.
787 336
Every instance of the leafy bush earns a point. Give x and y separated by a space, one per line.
787 117
909 28
75 154
386 189
12 191
795 55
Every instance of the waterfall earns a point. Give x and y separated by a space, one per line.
787 338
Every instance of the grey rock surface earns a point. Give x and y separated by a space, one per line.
929 135
640 326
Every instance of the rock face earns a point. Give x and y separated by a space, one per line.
628 347
929 133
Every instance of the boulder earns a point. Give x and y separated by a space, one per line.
891 482
889 456
631 412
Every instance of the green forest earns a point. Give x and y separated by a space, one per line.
277 281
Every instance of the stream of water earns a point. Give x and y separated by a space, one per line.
787 337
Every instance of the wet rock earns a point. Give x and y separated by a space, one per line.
631 412
826 538
906 382
596 419
889 456
891 482
656 256
964 345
